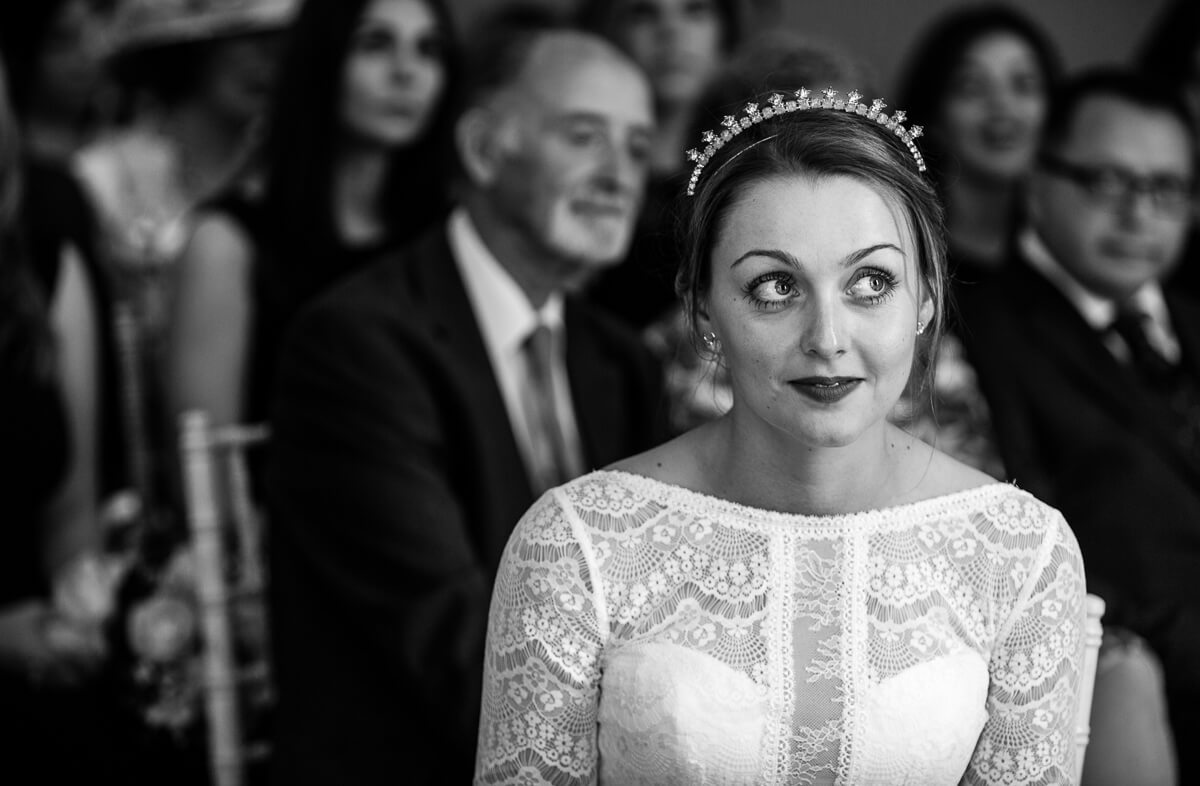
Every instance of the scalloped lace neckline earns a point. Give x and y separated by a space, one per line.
699 502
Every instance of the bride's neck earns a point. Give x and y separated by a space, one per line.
765 468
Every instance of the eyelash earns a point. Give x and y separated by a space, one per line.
889 281
766 305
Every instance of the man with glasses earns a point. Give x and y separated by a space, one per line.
1091 367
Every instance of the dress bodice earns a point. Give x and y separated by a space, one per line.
644 633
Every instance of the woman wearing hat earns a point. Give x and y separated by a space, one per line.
195 78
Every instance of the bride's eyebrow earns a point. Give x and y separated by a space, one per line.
851 259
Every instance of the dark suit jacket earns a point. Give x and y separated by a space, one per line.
393 484
1077 428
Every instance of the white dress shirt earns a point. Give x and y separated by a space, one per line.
506 318
1099 312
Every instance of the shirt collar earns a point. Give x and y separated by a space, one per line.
505 314
1097 311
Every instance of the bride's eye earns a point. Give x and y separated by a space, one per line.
873 286
771 289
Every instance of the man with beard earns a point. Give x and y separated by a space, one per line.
422 406
1091 369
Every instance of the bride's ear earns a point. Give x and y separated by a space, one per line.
927 312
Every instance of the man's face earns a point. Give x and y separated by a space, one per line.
1111 202
576 138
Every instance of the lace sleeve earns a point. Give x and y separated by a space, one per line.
1035 666
541 668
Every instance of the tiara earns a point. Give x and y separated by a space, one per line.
777 104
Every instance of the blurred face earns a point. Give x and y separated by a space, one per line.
1112 201
239 74
69 64
676 42
394 73
815 296
576 137
994 111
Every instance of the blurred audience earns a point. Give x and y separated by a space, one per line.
679 44
194 79
1091 365
54 51
355 162
424 404
978 81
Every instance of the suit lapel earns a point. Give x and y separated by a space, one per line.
1185 320
596 392
1051 321
1080 352
456 331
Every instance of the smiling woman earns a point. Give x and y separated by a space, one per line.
797 591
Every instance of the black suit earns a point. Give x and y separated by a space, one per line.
395 481
1081 430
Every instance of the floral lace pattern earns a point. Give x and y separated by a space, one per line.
644 633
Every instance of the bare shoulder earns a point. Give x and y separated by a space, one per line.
675 461
937 474
217 239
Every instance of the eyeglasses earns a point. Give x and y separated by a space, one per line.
1112 186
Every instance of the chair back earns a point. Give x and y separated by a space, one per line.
1093 632
225 532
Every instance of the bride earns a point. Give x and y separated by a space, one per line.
799 591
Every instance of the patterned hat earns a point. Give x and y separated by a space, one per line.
146 24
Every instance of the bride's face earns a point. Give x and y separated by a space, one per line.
816 297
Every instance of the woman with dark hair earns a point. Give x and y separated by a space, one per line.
355 163
979 81
679 44
797 591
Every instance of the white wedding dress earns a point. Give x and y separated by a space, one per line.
644 633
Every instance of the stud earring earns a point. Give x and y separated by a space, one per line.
920 328
711 342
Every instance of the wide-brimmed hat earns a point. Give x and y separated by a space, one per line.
151 24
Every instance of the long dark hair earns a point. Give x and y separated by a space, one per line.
26 346
939 52
302 134
1169 51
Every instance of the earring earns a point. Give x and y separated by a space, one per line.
711 342
920 328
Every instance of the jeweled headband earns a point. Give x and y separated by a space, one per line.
777 104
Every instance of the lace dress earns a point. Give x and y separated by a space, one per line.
644 633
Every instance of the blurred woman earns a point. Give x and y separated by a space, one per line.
194 79
354 164
978 81
679 44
